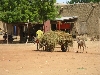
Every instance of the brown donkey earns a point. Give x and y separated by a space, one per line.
81 43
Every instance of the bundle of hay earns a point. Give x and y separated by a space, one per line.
56 37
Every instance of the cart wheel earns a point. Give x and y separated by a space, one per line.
46 48
63 48
52 49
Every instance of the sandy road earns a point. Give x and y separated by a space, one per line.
23 59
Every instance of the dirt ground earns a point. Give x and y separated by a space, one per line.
24 59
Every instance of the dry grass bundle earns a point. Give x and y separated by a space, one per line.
56 37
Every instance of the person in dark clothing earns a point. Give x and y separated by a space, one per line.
33 36
5 36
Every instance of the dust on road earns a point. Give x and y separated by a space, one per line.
23 59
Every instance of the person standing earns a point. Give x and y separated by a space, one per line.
39 33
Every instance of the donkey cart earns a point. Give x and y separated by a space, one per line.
51 39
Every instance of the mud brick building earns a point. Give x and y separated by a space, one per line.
88 16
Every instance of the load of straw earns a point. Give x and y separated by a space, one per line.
56 37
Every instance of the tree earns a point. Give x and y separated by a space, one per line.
46 10
85 1
17 11
12 11
72 1
95 0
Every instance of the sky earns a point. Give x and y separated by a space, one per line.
61 1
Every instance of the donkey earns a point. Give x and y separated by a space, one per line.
81 43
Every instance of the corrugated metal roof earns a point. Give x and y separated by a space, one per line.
66 18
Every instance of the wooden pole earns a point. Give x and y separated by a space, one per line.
59 24
99 30
7 31
27 31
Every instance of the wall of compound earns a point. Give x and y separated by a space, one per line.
88 17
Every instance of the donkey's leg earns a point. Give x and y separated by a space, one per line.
78 45
83 47
80 48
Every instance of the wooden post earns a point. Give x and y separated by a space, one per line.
27 30
7 31
70 30
59 24
27 36
99 30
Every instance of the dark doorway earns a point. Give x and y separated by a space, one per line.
23 34
53 27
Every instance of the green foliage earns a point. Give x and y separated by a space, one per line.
46 9
12 11
85 1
